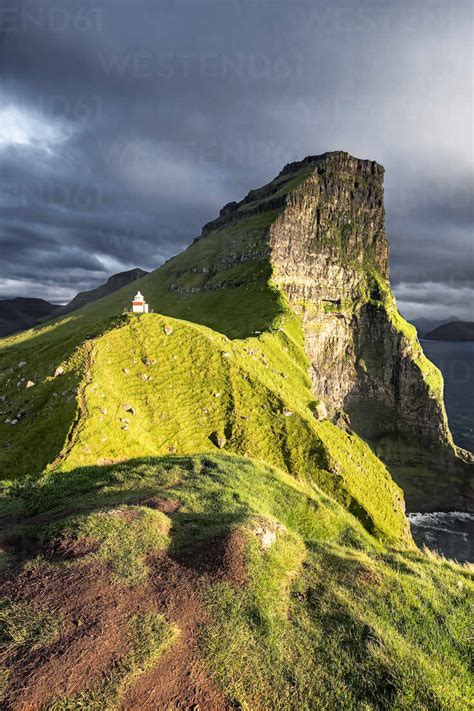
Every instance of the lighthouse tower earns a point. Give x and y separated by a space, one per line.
139 305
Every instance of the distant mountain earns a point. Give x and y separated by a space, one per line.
453 331
20 313
424 325
113 283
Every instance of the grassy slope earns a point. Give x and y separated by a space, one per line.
328 618
148 393
231 382
49 407
430 373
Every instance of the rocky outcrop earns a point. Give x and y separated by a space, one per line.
320 225
330 255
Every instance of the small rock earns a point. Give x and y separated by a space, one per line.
59 371
205 410
148 361
268 538
299 595
219 440
320 410
172 449
22 363
126 371
287 413
168 330
226 354
244 417
216 394
13 422
268 534
128 408
124 420
29 384
362 365
283 375
124 427
103 410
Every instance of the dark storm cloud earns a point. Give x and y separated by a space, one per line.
124 126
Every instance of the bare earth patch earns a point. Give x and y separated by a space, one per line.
167 506
96 608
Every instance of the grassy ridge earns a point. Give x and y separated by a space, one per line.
238 381
236 305
156 385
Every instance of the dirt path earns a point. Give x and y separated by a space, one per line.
95 609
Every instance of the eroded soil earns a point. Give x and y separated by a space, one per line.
95 608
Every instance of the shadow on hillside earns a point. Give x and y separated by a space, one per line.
29 507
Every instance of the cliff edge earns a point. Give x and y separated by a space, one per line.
328 250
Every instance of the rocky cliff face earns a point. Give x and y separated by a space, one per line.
328 251
330 256
320 225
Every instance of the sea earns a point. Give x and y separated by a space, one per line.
451 533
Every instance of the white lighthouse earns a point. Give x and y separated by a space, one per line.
139 305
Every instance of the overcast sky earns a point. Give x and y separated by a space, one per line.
126 124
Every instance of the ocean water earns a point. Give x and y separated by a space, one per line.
456 362
451 533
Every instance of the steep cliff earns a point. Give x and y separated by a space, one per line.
328 251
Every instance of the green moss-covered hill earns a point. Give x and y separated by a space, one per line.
186 527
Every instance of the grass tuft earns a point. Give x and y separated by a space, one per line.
125 536
26 626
